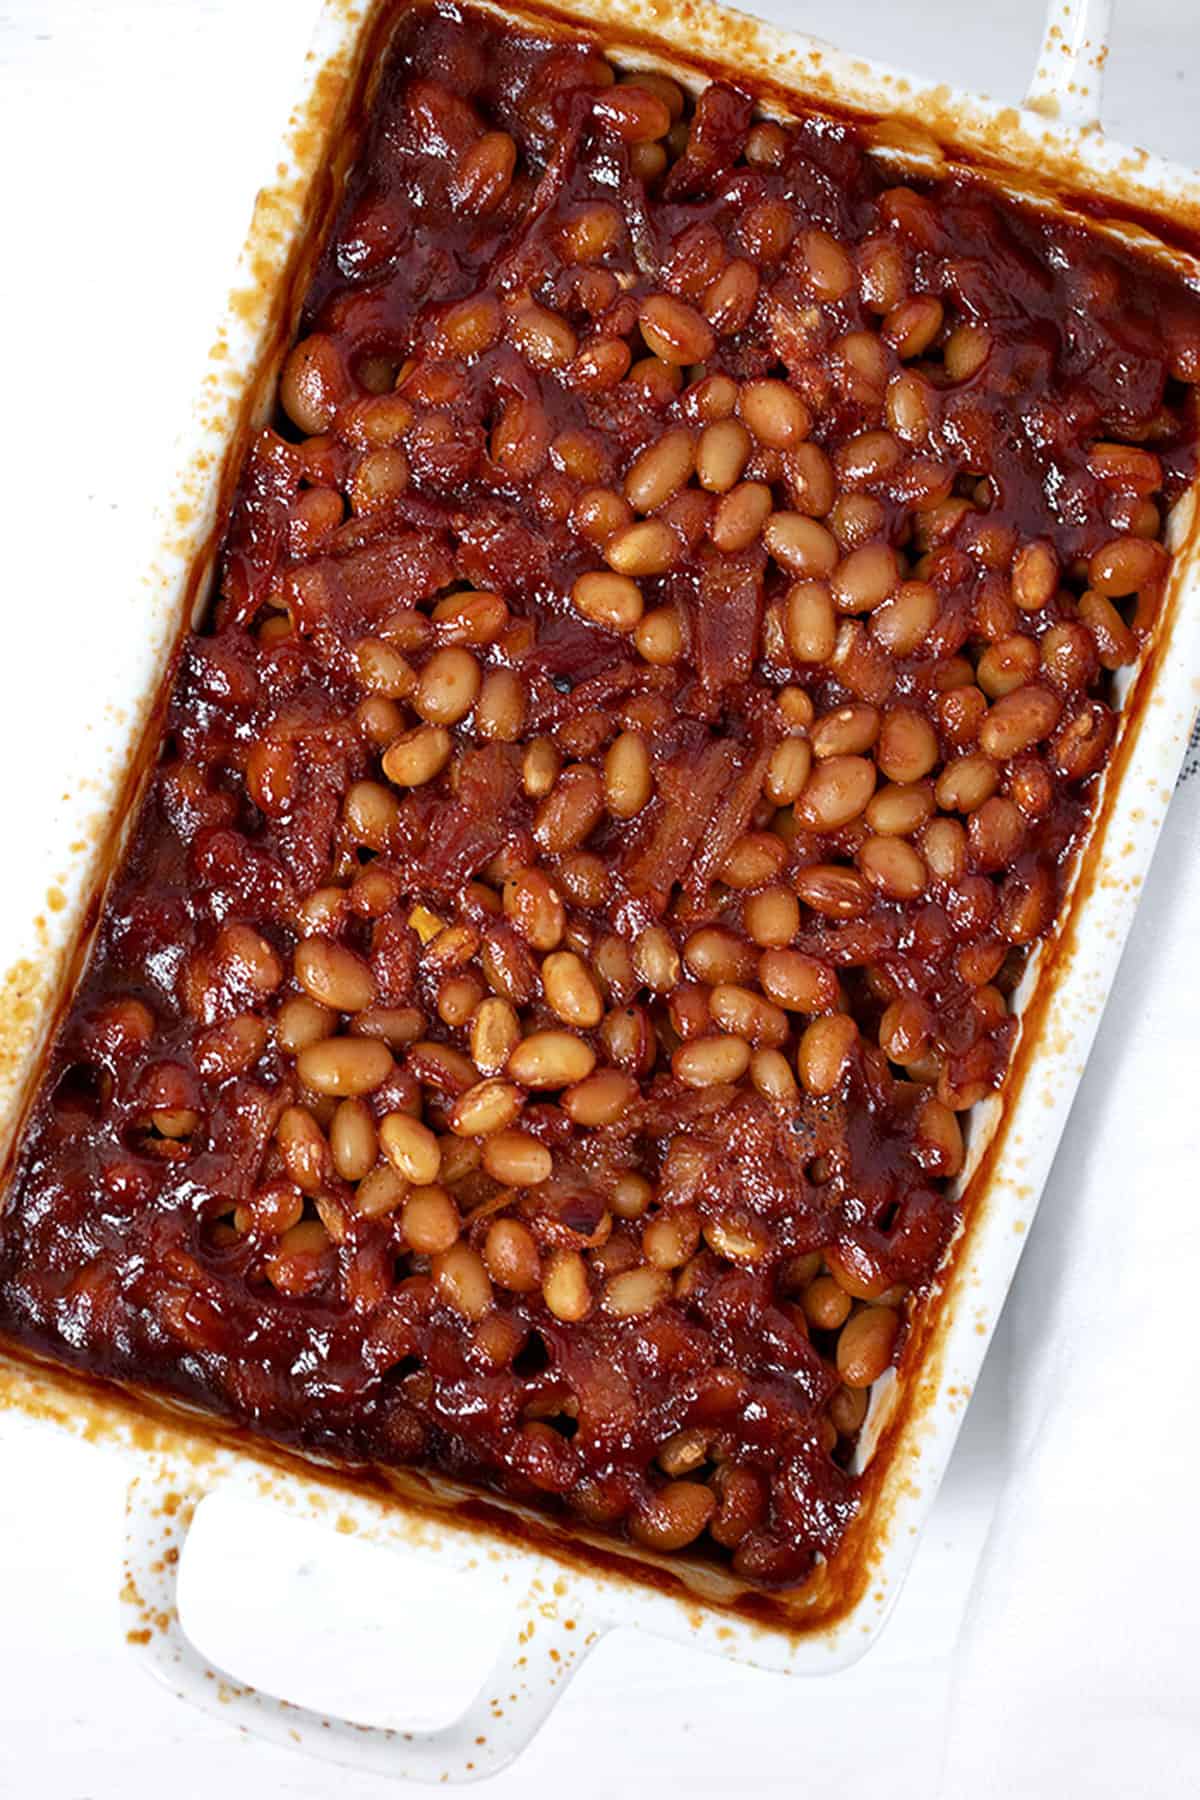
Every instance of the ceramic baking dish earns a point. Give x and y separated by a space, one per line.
566 1592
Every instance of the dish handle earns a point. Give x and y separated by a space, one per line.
1068 77
543 1648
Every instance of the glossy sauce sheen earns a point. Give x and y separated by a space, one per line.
157 1229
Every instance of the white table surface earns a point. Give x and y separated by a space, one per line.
132 135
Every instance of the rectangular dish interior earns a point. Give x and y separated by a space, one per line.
828 1589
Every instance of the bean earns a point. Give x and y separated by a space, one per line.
302 1146
628 782
571 990
590 232
551 1059
722 452
229 1048
740 515
608 599
774 413
714 954
767 145
487 1106
849 731
910 406
838 790
1034 576
1019 720
752 859
655 959
772 1076
709 1061
904 1031
1124 565
448 687
344 1067
570 811
495 1033
296 1266
302 1021
684 1451
826 1306
995 833
312 384
353 1140
516 1159
943 844
659 637
1115 643
911 327
430 1221
334 976
811 480
892 866
248 959
965 351
636 115
939 1138
649 547
372 812
660 470
848 1409
855 520
675 331
535 907
829 270
585 879
485 171
746 1014
834 891
565 1286
810 622
511 1256
381 1191
671 1239
908 747
773 917
824 1052
635 1292
673 1517
902 622
788 770
966 783
899 809
474 617
865 578
418 756
797 981
864 365
629 1196
865 1345
666 90
462 1280
800 545
766 228
862 461
737 1238
599 1099
411 1148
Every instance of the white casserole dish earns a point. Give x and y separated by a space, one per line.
562 1604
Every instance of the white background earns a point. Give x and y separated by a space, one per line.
132 136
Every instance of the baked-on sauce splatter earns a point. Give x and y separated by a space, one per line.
661 665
